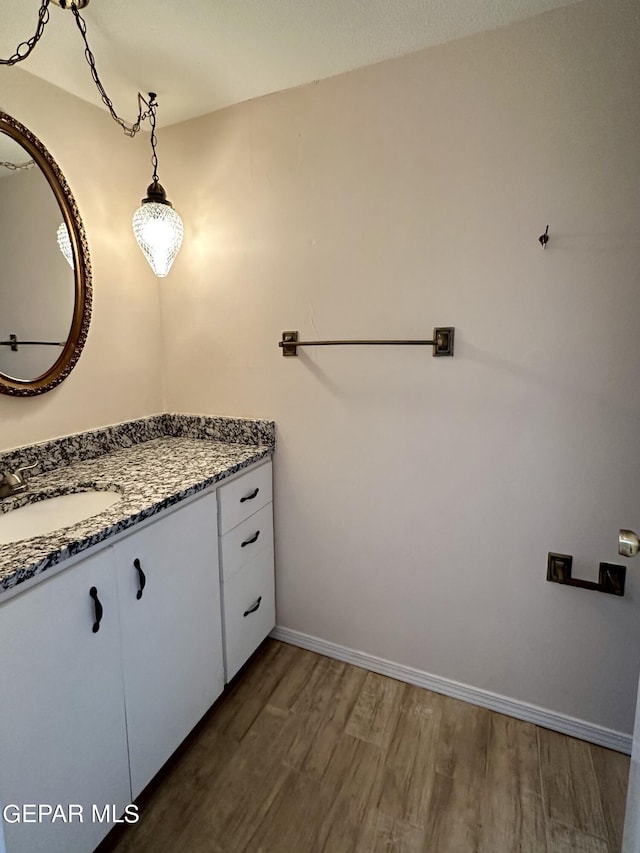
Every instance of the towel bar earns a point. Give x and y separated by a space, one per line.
442 342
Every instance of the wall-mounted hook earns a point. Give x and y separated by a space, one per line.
543 239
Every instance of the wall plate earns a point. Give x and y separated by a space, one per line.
559 567
443 337
611 578
288 344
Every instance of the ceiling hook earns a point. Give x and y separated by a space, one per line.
543 239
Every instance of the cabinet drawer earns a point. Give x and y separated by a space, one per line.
246 540
245 625
242 497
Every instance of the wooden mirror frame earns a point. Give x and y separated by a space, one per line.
70 354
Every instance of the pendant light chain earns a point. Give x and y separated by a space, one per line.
153 105
17 167
129 129
25 47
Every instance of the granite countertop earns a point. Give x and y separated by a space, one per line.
151 476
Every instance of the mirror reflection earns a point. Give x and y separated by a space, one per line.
45 270
37 290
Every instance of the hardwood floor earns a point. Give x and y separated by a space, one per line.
305 754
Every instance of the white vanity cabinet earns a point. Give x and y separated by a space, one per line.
246 564
108 665
63 737
169 598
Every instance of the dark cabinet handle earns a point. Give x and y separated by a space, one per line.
251 496
253 607
253 539
93 592
141 578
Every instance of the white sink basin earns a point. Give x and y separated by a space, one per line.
45 516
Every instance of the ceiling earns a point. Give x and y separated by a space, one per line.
202 55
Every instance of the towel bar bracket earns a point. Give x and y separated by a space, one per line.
611 577
442 342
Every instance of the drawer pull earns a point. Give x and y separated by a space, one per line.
253 607
253 539
251 496
93 592
141 578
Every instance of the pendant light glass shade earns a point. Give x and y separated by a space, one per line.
65 244
158 230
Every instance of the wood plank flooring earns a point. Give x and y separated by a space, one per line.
304 754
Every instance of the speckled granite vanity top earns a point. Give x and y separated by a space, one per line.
154 463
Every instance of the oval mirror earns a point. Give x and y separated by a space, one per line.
45 271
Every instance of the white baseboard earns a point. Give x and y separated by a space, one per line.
484 698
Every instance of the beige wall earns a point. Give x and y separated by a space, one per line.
118 376
417 499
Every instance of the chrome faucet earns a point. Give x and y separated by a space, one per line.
14 483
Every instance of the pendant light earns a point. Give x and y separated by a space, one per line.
157 226
64 243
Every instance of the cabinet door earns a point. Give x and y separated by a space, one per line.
62 718
171 633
